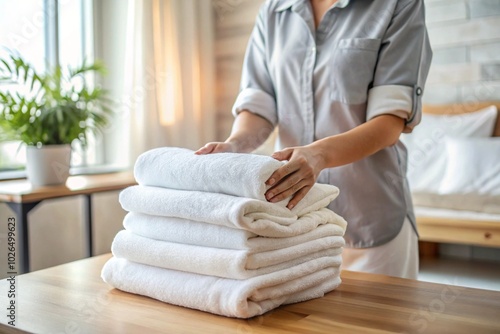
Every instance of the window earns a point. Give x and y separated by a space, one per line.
46 32
22 26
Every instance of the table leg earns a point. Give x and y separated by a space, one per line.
21 210
88 225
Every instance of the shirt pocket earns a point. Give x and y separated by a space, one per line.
352 69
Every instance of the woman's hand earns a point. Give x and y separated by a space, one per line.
306 162
249 132
216 147
296 177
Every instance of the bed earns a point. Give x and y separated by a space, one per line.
441 225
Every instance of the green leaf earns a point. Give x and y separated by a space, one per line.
26 73
17 64
6 65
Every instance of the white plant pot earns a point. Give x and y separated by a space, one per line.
48 165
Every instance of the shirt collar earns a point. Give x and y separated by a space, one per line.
285 4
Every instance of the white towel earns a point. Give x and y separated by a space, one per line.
233 298
260 217
209 235
225 173
228 263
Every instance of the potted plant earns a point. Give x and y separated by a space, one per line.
49 111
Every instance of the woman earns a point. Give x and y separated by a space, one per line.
342 80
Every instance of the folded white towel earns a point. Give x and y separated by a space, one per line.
225 173
228 263
233 298
209 235
260 217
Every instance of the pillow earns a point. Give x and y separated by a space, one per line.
426 149
473 166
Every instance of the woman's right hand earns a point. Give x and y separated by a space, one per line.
216 147
249 132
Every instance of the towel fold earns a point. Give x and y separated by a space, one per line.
233 298
228 263
209 235
259 217
234 174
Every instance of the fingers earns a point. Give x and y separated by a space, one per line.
290 186
282 172
214 148
207 149
221 148
299 195
294 179
285 154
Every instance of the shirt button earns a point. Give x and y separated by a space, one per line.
313 50
419 91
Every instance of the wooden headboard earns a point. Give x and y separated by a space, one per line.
463 108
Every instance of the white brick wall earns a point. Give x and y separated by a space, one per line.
450 10
465 36
484 53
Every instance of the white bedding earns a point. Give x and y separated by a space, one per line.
427 156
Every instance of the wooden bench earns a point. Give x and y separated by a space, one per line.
471 232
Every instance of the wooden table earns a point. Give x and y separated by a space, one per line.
22 198
72 298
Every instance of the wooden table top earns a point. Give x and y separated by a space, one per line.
21 191
72 298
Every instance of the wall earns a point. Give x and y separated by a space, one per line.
234 20
465 36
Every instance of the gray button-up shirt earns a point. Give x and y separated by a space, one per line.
365 59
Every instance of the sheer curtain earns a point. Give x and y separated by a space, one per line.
169 74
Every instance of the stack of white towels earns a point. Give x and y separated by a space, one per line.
200 234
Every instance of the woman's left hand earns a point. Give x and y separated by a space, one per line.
297 176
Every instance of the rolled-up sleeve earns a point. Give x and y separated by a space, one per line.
402 67
257 93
